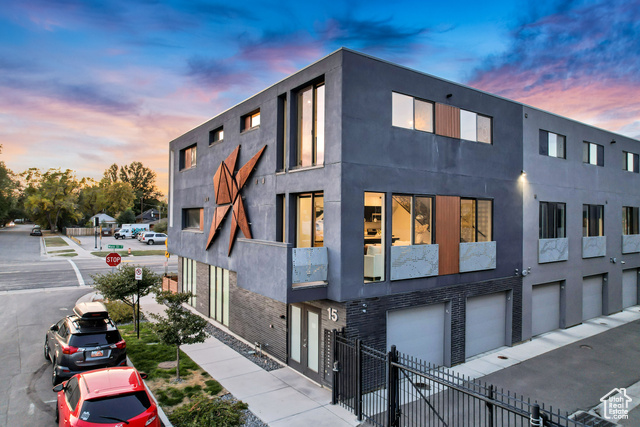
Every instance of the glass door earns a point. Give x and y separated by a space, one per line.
304 339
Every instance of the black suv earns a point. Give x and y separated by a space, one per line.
86 340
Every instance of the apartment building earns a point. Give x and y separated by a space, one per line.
402 208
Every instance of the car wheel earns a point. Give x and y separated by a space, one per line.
55 379
46 350
150 242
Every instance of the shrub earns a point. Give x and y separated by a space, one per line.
203 411
161 226
119 312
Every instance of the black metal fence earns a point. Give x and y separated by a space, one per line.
392 389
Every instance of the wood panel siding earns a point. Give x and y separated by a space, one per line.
448 233
201 219
447 120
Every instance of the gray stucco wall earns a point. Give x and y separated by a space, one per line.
572 182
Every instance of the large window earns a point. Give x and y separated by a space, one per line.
192 219
188 157
592 220
475 127
310 223
311 125
552 144
374 237
630 162
476 220
411 220
411 113
219 294
629 220
250 121
592 153
553 220
189 279
282 133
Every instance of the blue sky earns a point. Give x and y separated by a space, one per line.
85 84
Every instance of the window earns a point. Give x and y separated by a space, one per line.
311 125
630 162
310 224
219 294
188 157
411 113
476 220
282 133
475 127
374 237
411 220
216 135
250 121
72 393
192 219
629 220
281 216
189 279
592 220
553 220
593 153
552 144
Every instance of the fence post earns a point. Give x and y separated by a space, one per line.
359 379
334 378
535 420
393 407
490 405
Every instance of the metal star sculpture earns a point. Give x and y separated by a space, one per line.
227 184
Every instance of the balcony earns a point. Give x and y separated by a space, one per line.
593 247
630 243
477 256
409 262
553 250
309 266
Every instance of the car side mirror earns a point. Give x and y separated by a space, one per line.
143 375
58 387
53 327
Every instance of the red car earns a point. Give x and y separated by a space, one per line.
110 397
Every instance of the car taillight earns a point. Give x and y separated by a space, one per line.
120 344
151 418
67 349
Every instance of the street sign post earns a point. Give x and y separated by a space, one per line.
115 247
138 273
138 277
113 259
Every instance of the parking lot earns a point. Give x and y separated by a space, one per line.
89 244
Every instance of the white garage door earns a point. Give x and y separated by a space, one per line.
591 297
486 326
418 332
629 288
545 308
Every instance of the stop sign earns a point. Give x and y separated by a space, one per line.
113 259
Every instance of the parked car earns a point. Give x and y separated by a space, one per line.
151 237
11 224
106 397
36 231
85 340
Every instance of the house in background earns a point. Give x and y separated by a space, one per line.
357 194
104 220
148 216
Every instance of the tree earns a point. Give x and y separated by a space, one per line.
122 285
111 174
126 217
91 198
118 197
143 181
50 194
179 326
8 192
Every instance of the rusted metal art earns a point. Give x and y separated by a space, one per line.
227 186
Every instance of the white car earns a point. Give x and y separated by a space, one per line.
151 237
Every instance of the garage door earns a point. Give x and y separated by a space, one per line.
418 332
545 308
629 288
591 297
486 326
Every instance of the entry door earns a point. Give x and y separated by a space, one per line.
304 341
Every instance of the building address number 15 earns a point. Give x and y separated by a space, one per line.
333 314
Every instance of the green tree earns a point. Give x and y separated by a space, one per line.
91 198
118 197
9 189
111 174
126 217
51 194
121 285
178 326
143 181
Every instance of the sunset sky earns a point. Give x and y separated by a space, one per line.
88 83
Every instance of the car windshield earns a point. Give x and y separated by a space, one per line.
102 338
122 407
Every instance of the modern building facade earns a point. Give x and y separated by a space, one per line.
405 209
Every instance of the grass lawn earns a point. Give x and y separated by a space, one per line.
68 255
134 253
61 251
52 242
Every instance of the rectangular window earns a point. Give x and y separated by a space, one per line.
216 135
475 127
189 279
282 133
630 220
311 114
411 113
219 294
250 121
552 144
188 157
374 237
476 220
552 220
592 220
310 222
281 215
630 162
192 219
411 220
593 153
